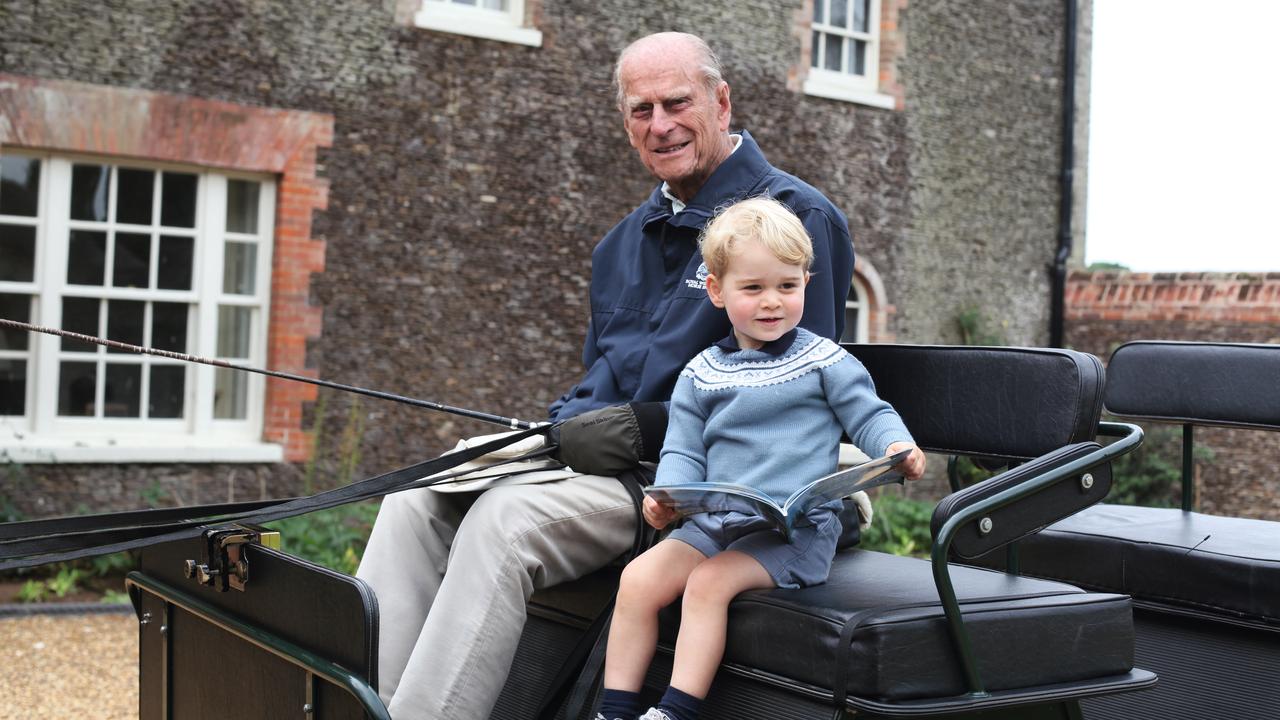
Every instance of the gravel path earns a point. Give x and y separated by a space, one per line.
69 666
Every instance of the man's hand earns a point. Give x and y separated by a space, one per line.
912 468
657 514
611 440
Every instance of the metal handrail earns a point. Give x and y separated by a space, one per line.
1130 437
288 651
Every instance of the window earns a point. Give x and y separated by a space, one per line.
502 20
166 257
856 313
844 54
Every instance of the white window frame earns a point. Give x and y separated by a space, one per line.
41 435
502 25
862 89
857 299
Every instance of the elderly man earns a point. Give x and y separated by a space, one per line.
453 571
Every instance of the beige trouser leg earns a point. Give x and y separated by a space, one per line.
453 572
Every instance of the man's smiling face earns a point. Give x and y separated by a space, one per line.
678 126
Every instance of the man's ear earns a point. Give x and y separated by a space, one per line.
714 291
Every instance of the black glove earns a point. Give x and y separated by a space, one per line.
612 439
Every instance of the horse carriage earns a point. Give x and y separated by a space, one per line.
1037 601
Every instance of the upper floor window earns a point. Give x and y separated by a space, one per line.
844 54
502 20
167 257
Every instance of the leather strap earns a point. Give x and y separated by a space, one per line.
73 538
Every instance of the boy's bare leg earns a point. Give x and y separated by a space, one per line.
649 583
705 616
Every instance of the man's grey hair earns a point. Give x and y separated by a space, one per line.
708 67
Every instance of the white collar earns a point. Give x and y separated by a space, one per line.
677 205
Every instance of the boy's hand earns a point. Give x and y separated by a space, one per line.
657 514
911 468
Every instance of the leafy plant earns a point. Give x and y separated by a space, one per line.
115 597
900 525
32 591
66 581
1151 474
334 538
975 329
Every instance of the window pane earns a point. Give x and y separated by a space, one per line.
814 49
19 186
87 257
818 13
230 394
132 264
13 387
860 15
174 272
167 389
840 13
17 253
850 333
89 185
79 315
169 326
242 206
133 201
833 58
121 396
858 59
233 331
77 382
178 200
239 267
14 307
124 322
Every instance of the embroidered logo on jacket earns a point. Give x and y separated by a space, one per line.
710 372
699 281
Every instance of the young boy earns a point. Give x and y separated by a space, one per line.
763 407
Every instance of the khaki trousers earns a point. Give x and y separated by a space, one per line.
453 572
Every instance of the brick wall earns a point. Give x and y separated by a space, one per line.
1107 309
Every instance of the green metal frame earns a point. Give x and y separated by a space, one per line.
1130 436
310 662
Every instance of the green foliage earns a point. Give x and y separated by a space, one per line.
975 329
334 538
115 597
900 525
66 581
32 591
1107 267
1151 475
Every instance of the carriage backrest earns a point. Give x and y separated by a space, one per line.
997 402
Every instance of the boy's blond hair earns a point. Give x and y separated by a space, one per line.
762 219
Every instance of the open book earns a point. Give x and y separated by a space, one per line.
697 497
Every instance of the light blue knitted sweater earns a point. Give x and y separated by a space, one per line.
772 421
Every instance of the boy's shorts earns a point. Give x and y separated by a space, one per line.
805 560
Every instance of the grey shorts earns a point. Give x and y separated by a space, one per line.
805 560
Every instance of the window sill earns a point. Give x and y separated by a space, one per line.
834 89
489 25
32 449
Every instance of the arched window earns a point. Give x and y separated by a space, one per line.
857 311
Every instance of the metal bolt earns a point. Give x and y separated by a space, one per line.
308 709
164 629
1086 481
189 568
146 618
985 525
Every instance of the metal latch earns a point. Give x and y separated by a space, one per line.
222 561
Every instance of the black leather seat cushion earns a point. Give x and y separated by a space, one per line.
1215 567
1035 632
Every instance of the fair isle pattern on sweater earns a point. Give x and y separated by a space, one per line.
712 369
